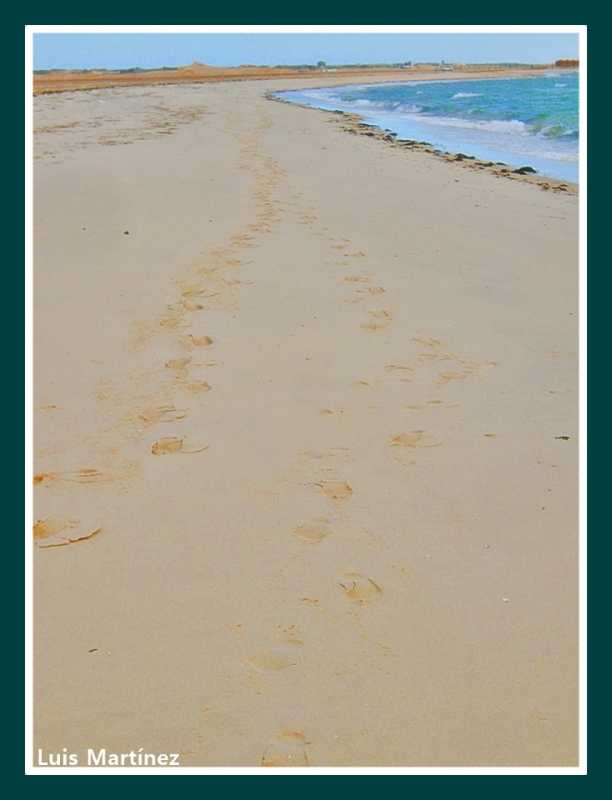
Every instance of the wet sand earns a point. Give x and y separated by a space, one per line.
305 423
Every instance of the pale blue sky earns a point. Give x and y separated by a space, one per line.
150 50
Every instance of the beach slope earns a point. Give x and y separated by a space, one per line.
306 425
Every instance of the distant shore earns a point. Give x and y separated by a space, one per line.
75 80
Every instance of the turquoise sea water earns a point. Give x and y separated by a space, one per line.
521 121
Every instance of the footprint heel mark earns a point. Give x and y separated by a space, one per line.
167 445
172 444
313 532
338 490
287 654
56 532
356 587
287 750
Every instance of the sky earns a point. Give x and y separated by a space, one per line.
55 48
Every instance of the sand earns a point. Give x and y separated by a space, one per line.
305 434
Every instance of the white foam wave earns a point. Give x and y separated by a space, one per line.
512 126
404 109
465 94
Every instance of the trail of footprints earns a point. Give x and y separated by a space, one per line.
210 287
288 749
360 589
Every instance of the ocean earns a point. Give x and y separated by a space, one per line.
532 121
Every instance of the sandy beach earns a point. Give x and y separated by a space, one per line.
305 441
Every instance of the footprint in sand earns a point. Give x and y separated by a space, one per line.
171 320
313 532
78 476
178 364
192 305
427 341
363 278
286 654
383 318
243 240
428 358
287 750
197 341
162 414
373 290
416 439
197 387
356 587
172 444
393 367
454 376
338 490
56 532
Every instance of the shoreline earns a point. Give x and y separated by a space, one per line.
355 124
308 409
69 82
